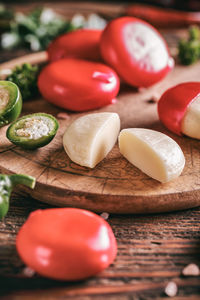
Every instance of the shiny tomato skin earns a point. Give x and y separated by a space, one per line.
66 243
123 45
173 104
78 85
82 43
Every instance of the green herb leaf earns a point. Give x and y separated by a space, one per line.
36 30
189 50
25 77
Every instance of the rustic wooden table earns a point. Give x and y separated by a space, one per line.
152 249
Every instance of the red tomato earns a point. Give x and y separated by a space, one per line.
66 243
173 104
136 51
83 43
78 85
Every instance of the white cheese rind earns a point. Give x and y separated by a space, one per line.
89 138
153 152
190 125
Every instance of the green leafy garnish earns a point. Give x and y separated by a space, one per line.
36 30
189 49
25 77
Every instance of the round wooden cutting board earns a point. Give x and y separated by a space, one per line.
114 185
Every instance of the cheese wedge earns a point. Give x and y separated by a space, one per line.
190 125
89 138
153 152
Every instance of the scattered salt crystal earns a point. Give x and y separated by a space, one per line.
105 215
171 289
28 272
142 89
191 270
155 97
62 116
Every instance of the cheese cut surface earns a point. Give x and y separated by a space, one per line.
146 46
190 125
153 152
89 138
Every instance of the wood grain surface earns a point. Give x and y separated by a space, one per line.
114 185
152 249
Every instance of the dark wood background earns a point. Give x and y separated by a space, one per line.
152 250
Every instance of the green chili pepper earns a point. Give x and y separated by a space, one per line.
33 131
10 102
7 183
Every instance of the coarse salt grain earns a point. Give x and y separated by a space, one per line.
171 289
28 272
63 116
105 215
191 270
141 89
155 97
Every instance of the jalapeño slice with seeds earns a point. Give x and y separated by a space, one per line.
33 131
10 102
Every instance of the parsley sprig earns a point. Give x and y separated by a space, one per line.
189 49
36 30
25 77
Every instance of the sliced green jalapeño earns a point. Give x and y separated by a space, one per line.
10 102
33 131
7 183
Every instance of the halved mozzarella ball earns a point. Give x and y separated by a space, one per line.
153 152
179 109
89 138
